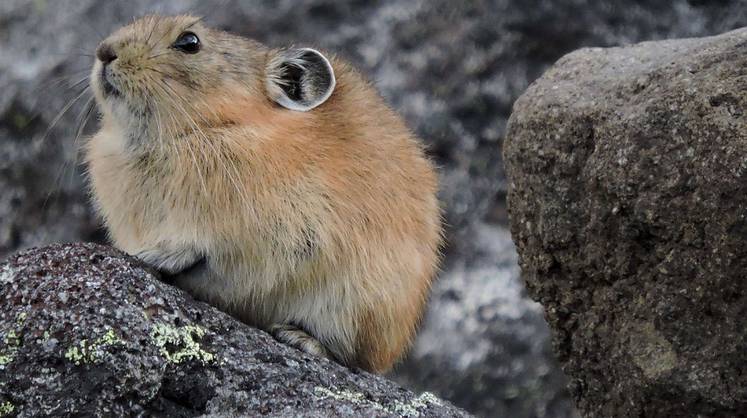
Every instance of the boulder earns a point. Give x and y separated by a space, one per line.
85 330
628 205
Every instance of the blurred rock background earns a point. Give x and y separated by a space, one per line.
453 69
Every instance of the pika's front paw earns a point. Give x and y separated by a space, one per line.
299 339
170 261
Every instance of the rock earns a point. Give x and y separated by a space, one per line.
87 331
628 205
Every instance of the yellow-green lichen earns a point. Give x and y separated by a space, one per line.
6 408
9 349
12 340
6 358
403 409
177 344
110 338
345 395
90 352
410 409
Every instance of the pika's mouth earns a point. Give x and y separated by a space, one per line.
106 85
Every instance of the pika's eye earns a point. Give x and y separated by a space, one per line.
187 42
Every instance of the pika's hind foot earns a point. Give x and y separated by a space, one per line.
299 339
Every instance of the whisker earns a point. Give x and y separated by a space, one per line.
189 146
87 23
63 111
61 79
152 28
88 109
159 55
192 154
157 112
166 33
89 106
73 54
198 20
219 155
65 165
78 83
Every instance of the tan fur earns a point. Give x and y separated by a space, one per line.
327 218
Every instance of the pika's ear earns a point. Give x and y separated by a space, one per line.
299 79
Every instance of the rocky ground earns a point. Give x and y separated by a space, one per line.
453 69
89 331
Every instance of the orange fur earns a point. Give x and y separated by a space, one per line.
327 218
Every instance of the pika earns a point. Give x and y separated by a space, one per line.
274 184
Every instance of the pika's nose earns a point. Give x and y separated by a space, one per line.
105 53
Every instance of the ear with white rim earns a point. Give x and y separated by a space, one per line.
299 79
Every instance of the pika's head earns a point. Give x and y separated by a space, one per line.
172 73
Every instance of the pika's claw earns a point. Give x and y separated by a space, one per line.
299 339
169 261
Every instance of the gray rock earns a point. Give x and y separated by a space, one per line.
628 197
122 343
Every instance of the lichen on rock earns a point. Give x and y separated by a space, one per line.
89 331
409 409
6 409
90 352
178 344
11 341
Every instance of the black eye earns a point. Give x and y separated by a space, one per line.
187 42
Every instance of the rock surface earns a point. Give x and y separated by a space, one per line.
453 69
87 331
628 205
